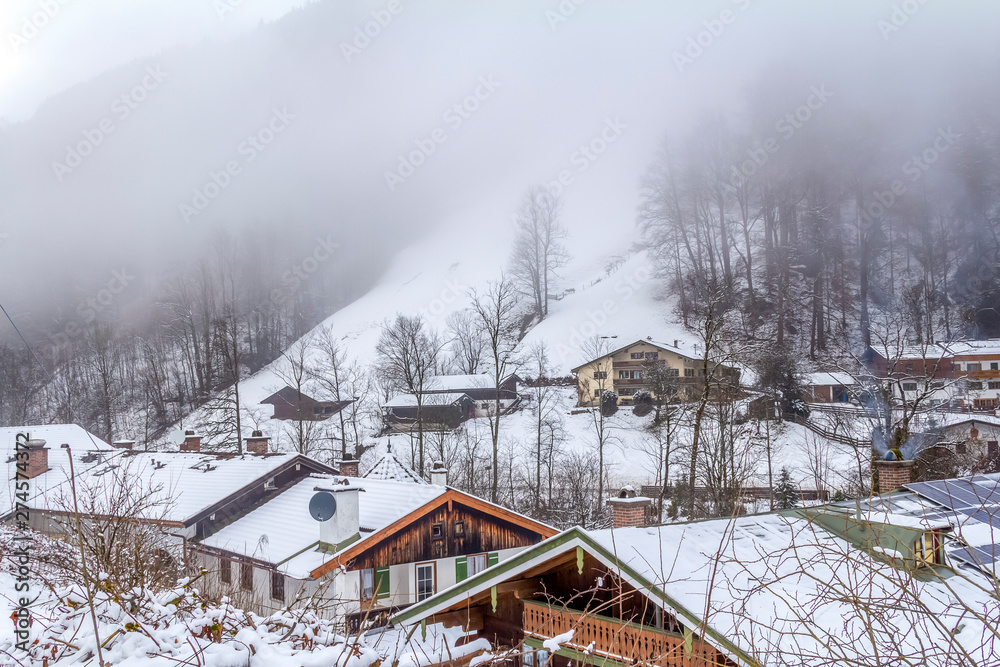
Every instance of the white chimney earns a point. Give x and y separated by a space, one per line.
336 508
439 474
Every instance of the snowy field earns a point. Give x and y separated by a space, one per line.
631 449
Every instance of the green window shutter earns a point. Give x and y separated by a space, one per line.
492 559
461 568
382 582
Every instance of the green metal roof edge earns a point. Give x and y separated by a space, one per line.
550 545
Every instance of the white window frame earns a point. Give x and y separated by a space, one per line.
475 558
432 566
368 588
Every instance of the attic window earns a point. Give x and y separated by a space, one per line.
437 531
459 528
269 484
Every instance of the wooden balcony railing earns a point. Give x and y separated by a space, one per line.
630 382
631 363
620 641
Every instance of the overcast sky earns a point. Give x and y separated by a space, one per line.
541 78
83 38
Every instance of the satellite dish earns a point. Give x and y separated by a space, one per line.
176 436
323 506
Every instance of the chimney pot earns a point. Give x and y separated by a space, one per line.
192 442
38 459
628 510
349 468
258 443
439 474
345 523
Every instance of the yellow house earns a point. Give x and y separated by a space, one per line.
625 371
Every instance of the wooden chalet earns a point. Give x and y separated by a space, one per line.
409 542
293 405
573 583
434 410
767 589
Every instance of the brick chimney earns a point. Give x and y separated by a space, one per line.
38 458
192 442
628 510
349 468
123 444
258 443
439 474
887 476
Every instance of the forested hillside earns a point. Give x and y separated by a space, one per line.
825 221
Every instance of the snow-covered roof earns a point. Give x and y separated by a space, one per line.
459 383
976 524
833 379
905 520
772 589
931 420
390 468
946 350
184 483
759 579
281 531
54 435
410 400
973 347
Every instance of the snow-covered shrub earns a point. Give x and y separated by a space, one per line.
609 402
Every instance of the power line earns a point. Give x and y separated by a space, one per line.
32 352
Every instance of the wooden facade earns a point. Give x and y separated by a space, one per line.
614 641
292 405
455 524
452 528
575 591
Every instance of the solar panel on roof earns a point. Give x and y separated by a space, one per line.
990 493
961 493
933 491
986 555
987 516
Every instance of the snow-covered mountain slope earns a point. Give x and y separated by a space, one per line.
611 294
614 294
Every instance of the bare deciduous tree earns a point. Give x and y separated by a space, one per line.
499 318
468 346
409 357
538 248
